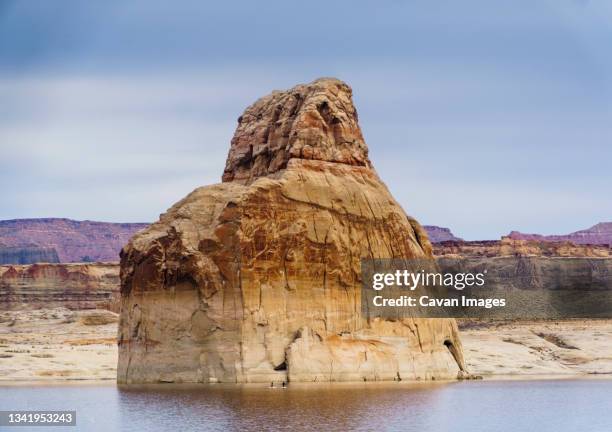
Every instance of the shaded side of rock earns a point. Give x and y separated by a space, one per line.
27 255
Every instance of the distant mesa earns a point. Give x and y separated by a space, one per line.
593 242
60 240
438 234
27 254
600 234
52 240
507 247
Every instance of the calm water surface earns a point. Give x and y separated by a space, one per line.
562 405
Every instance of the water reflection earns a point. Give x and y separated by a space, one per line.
299 407
466 406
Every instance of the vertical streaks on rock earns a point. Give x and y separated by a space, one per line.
258 278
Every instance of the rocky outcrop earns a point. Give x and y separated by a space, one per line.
511 247
309 122
539 280
258 279
27 255
600 234
438 234
72 286
74 241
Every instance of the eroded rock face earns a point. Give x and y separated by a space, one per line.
71 286
258 279
315 122
511 247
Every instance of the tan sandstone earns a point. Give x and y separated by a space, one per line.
258 279
71 286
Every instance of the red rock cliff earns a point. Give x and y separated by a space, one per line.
74 241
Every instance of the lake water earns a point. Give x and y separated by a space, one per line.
548 405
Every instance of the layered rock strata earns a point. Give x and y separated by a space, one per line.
258 279
511 247
72 286
599 234
73 241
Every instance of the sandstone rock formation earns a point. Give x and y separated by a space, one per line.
74 241
257 279
599 234
438 234
71 286
511 247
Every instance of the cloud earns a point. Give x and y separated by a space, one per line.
115 111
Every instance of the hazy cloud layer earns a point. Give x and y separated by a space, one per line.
479 117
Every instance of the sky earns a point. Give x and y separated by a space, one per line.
482 116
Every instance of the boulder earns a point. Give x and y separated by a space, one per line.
258 278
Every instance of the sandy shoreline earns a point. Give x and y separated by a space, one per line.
530 350
113 383
59 346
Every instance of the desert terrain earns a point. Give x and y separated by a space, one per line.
534 349
60 344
